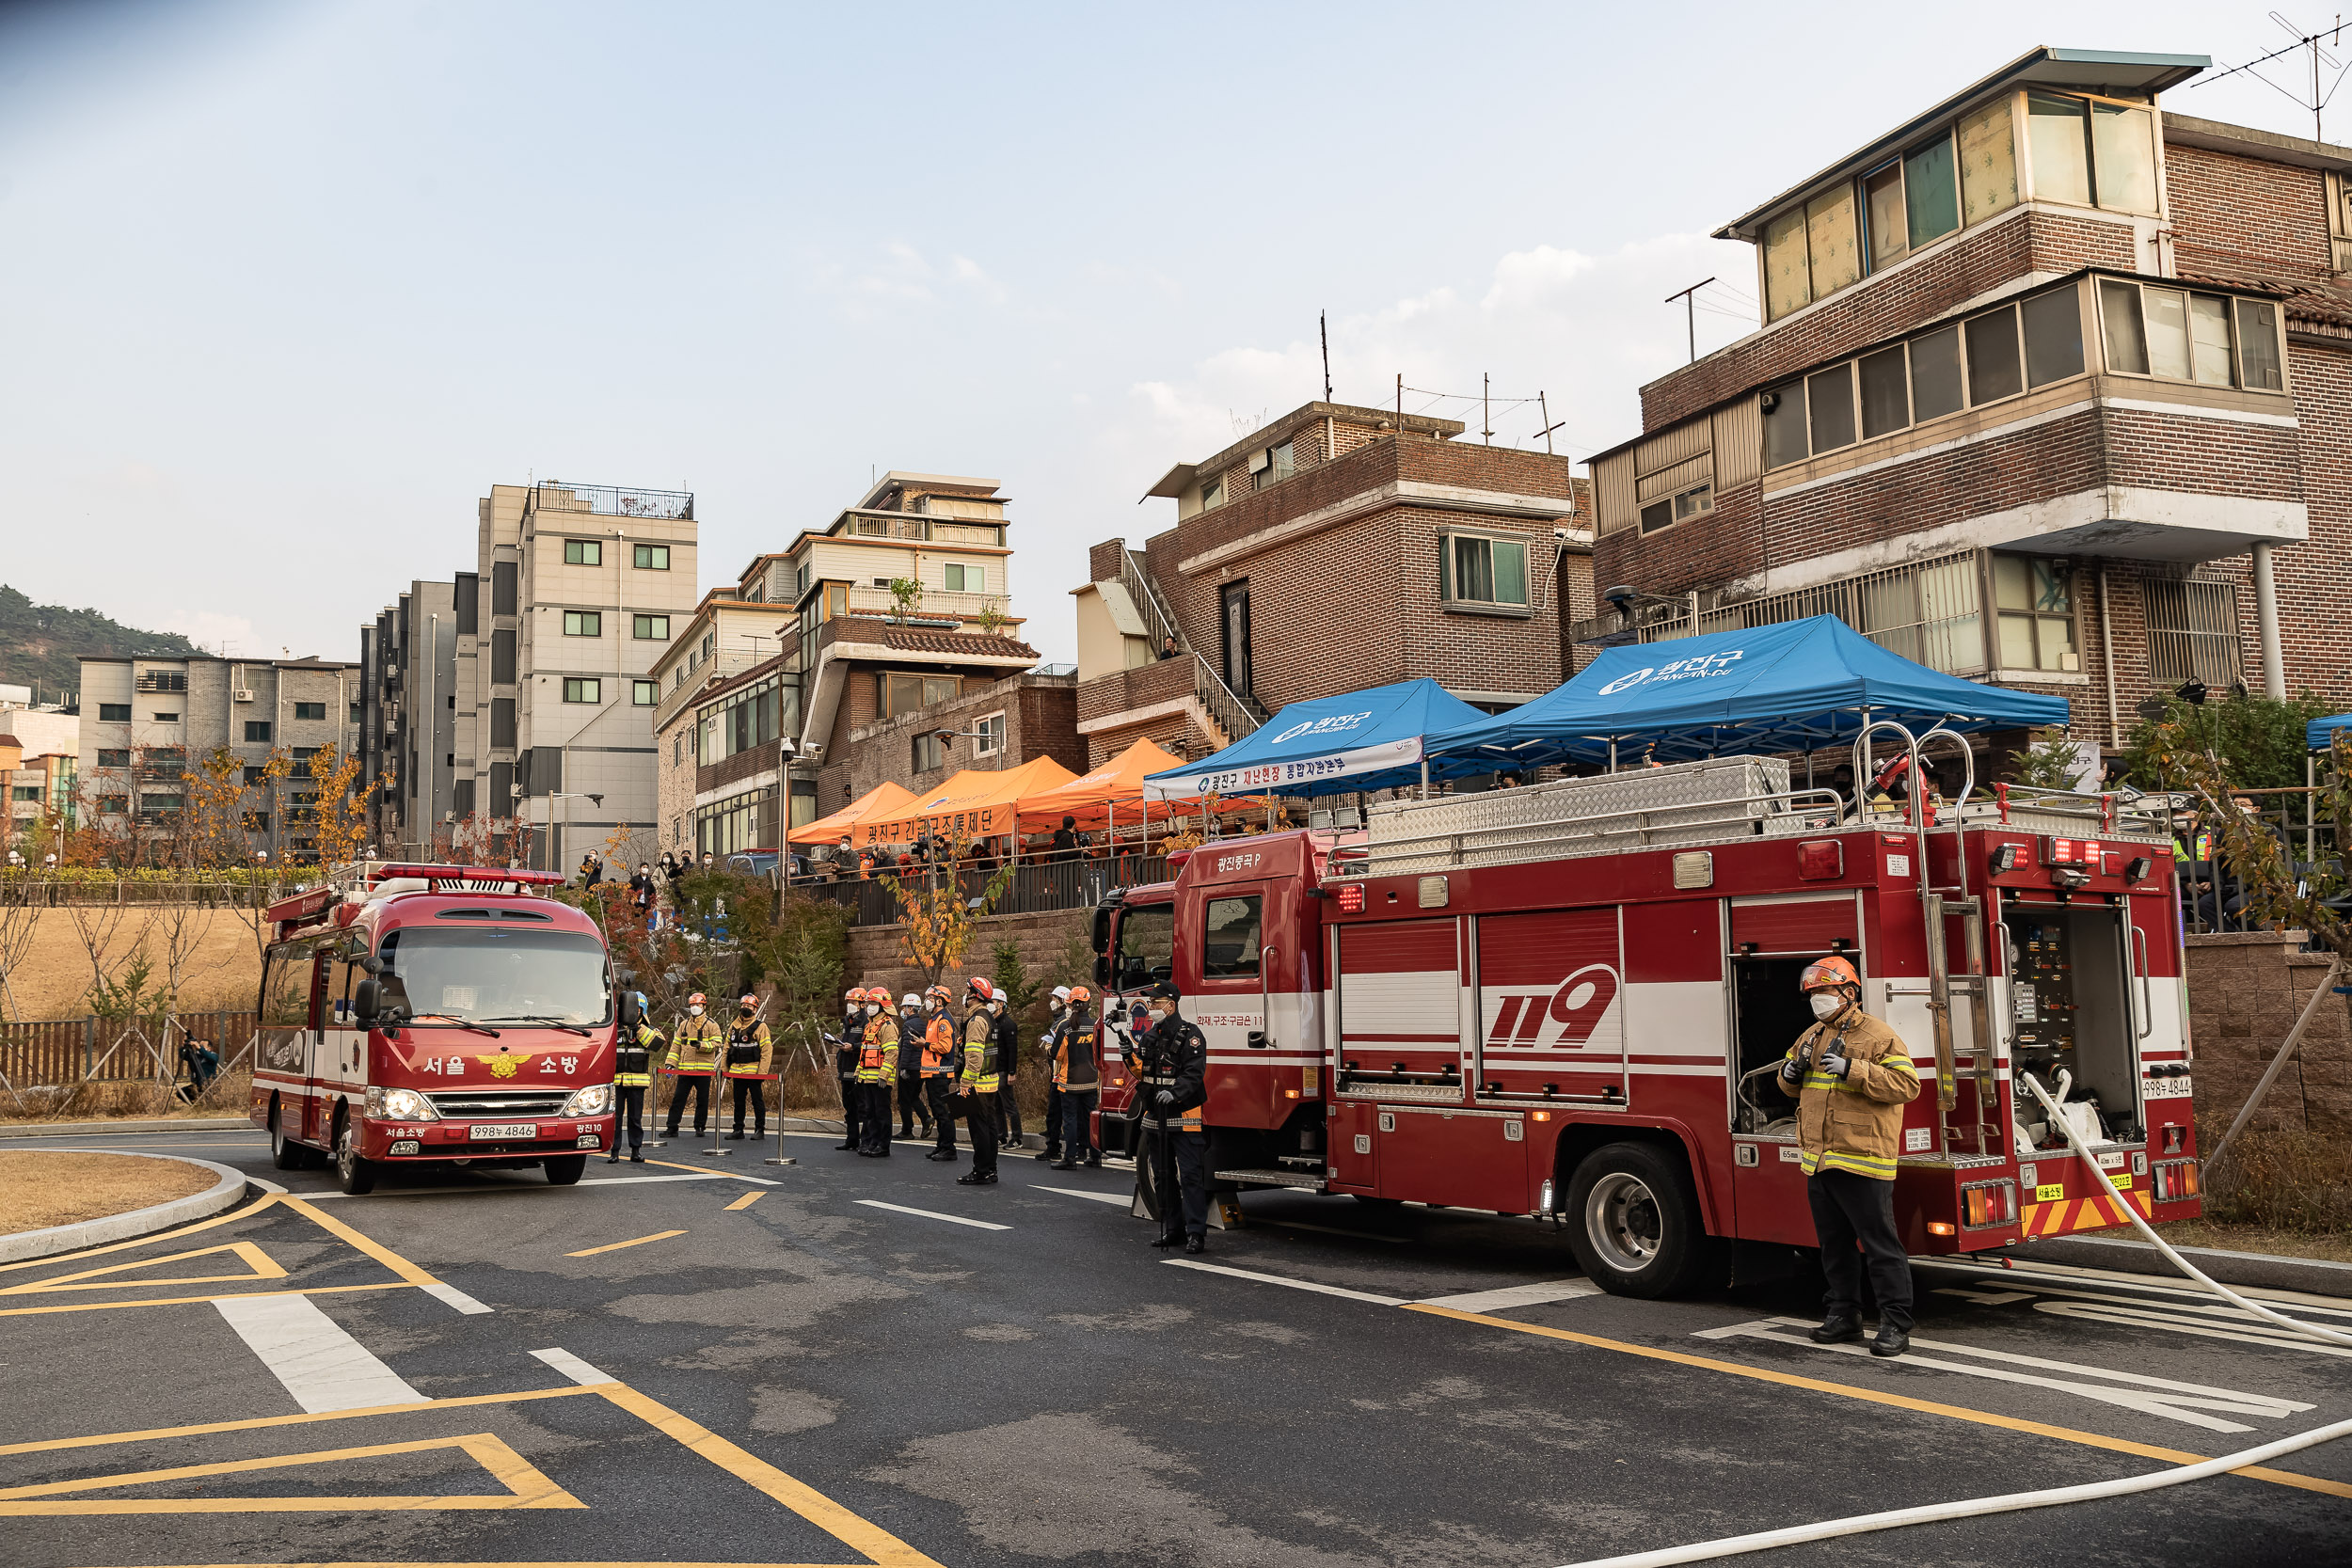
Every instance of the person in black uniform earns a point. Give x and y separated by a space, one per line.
911 1104
1172 1067
635 1046
846 1048
1007 1033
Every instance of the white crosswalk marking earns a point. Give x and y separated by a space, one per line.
1278 1279
322 1367
1516 1296
1119 1198
930 1215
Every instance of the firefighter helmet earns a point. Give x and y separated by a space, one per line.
910 1001
983 989
1080 996
1822 973
747 1001
695 1000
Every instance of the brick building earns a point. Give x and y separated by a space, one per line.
1330 550
2050 392
812 645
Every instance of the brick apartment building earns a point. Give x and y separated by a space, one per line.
2052 392
1333 549
811 644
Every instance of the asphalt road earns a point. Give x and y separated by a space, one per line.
800 1372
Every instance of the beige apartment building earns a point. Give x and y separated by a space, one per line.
577 592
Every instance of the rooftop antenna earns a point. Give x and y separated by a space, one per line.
1545 409
2319 57
1322 324
1487 406
1689 314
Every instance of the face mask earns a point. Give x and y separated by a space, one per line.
694 1012
1159 1015
871 1008
1827 1005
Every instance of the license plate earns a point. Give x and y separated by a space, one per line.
504 1130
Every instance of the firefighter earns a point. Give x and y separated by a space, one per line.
1172 1065
845 1066
912 1027
939 1067
694 1053
1007 1030
750 1055
976 1086
876 1071
1851 1076
1058 1006
1076 1064
633 1050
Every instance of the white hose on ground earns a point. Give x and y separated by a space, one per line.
1928 1514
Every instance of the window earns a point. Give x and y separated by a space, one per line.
1886 392
257 732
1993 370
316 712
1784 425
353 717
962 577
988 736
114 806
2057 139
2054 337
165 718
113 758
677 750
1213 492
930 750
257 821
1229 946
2188 336
908 693
578 689
1810 252
650 628
157 804
1475 570
584 623
114 713
644 694
650 558
1930 198
1281 464
1829 405
1691 503
26 792
2036 609
2258 344
254 775
304 754
1987 163
1929 613
2091 153
583 552
1883 216
2192 632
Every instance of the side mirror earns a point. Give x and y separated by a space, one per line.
367 998
1103 970
628 1010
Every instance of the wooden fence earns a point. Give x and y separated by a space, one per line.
113 1050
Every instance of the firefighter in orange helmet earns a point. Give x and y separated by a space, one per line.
937 1067
1850 1075
750 1055
1075 1062
846 1047
694 1058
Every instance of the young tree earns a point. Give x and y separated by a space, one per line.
936 920
340 805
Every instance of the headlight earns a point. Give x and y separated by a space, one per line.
399 1105
594 1100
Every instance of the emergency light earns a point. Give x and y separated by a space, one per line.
1351 898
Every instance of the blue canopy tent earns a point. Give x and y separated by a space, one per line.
1358 740
1796 686
2320 734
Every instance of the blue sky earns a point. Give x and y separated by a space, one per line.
284 288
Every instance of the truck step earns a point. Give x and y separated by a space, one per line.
1298 1179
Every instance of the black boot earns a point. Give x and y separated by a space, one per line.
1891 1341
1195 1244
1837 1330
1168 1240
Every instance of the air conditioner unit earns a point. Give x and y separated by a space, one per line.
242 695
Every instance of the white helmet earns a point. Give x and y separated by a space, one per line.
910 1002
1061 993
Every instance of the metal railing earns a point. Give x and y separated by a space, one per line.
2193 632
1036 887
612 501
1237 716
2215 894
1159 621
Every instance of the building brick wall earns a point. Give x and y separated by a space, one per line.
2245 992
2231 213
1103 561
1041 720
2314 578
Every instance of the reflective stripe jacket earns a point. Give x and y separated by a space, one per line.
632 1057
877 1058
939 1047
980 1057
695 1046
1175 1057
1076 1064
1854 1123
749 1051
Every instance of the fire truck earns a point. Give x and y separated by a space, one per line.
451 1014
1571 1001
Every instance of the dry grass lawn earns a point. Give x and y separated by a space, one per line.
2330 1247
38 1189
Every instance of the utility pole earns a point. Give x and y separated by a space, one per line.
1689 314
1323 325
1545 409
1486 407
1400 406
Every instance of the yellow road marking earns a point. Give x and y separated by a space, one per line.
885 1549
382 1254
253 1208
256 1423
1902 1401
615 1247
747 1200
261 1264
182 1301
526 1487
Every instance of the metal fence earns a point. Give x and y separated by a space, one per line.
2214 896
49 892
116 1050
1035 888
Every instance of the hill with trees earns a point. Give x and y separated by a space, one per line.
41 644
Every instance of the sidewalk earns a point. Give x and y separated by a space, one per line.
2310 1275
123 1124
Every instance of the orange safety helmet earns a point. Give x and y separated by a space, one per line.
1080 995
1822 973
984 989
695 1000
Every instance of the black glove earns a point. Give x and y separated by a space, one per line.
1835 1065
1164 1099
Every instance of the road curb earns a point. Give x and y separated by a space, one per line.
137 1222
2312 1276
101 1129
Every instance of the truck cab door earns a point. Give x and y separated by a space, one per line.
1242 965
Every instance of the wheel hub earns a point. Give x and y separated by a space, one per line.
1621 1217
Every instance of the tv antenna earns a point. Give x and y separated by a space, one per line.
1691 314
2320 57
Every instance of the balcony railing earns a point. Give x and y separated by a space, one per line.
162 680
937 604
612 501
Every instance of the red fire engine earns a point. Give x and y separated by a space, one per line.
453 1015
1570 1002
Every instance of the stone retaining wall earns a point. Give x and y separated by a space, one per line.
2245 992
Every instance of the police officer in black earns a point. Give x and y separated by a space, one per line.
1172 1067
846 1048
636 1047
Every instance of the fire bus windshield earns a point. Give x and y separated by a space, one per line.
490 975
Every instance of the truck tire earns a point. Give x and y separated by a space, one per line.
284 1153
353 1174
1633 1223
565 1170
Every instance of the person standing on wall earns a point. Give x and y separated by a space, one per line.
750 1053
939 1068
696 1047
1172 1064
633 1050
876 1071
1058 1006
976 1086
1075 1061
846 1047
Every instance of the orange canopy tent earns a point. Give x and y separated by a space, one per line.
972 804
884 796
1112 796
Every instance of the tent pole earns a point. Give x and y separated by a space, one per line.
1424 778
1612 754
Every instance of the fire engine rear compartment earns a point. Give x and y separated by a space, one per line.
2073 1012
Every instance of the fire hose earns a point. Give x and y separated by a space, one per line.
1968 1508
